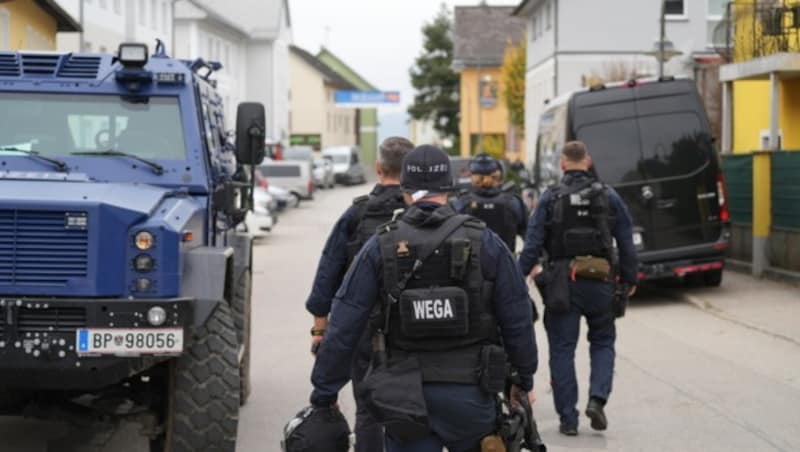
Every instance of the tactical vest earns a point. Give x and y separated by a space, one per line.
495 209
373 210
444 315
580 219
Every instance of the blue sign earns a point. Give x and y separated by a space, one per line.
366 98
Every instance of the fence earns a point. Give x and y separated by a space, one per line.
784 241
759 28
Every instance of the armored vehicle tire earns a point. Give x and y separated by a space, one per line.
242 309
203 408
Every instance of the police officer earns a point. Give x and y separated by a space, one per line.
355 226
574 224
463 296
503 211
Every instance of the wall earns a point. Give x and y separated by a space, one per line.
340 123
751 114
111 22
307 106
492 120
30 28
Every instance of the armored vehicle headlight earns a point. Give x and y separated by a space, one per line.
144 240
132 55
143 284
156 316
143 263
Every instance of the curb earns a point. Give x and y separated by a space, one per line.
709 308
771 273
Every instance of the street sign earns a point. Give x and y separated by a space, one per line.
366 99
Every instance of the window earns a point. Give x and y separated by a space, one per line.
274 171
226 57
142 12
153 14
60 124
610 141
534 30
5 30
548 15
103 4
717 8
675 8
117 6
210 48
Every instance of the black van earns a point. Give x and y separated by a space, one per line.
651 141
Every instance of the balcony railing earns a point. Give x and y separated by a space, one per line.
759 28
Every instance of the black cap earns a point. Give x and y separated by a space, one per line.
427 168
484 164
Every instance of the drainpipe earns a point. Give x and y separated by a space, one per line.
82 40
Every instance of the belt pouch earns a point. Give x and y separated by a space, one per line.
494 369
395 399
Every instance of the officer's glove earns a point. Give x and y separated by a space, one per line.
518 397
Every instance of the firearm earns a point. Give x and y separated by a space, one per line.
620 299
518 428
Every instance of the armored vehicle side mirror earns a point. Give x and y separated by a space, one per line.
251 129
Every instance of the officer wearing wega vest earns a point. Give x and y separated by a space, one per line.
450 294
502 210
576 225
354 227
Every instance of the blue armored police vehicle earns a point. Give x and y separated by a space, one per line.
124 284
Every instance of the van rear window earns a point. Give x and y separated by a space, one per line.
279 171
674 144
614 147
660 146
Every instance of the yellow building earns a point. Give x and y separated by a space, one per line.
32 24
761 107
481 35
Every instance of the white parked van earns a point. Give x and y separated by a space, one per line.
347 167
294 176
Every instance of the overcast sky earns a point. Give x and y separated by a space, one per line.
378 38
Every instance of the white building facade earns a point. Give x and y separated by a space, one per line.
107 23
575 43
251 39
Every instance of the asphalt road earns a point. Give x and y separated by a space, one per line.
689 377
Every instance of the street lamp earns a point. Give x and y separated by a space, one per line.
664 49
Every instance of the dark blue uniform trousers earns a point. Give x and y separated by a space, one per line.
369 433
593 300
460 416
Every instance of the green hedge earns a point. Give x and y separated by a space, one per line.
738 171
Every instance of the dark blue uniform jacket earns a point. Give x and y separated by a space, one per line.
333 263
521 212
622 231
361 290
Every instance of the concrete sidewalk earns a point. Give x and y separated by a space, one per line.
770 307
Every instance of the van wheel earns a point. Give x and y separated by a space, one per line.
712 278
242 313
202 410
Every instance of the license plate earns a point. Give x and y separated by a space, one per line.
637 239
139 341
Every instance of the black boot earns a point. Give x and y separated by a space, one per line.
595 412
568 430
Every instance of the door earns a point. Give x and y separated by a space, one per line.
680 167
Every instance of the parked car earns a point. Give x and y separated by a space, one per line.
299 154
651 141
283 197
347 168
323 173
295 176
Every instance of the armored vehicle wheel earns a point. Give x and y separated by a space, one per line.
242 309
203 398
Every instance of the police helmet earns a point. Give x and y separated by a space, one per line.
317 430
484 164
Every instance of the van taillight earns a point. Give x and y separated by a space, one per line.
263 184
310 186
722 195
